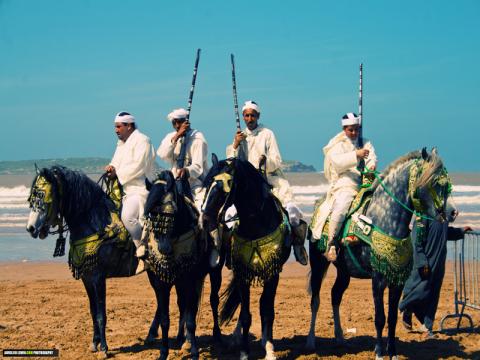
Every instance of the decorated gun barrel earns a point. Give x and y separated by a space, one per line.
183 149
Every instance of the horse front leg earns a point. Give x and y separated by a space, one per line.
378 287
93 313
394 294
319 266
181 318
164 305
215 283
98 283
341 284
153 331
192 291
245 319
267 314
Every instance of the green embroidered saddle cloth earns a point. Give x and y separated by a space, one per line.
185 254
392 257
82 256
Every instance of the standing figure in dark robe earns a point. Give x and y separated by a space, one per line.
422 289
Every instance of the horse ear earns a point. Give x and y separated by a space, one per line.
424 154
169 179
214 159
37 170
434 151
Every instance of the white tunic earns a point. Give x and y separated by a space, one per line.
340 169
133 162
195 158
261 141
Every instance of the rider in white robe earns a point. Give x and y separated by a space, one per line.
342 157
258 142
195 166
132 163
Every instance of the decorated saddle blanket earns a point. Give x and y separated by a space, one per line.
392 257
82 256
186 252
257 261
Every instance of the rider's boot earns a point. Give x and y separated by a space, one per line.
299 233
333 228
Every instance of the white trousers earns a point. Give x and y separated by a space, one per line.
340 207
132 209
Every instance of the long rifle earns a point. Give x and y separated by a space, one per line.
360 115
183 149
241 153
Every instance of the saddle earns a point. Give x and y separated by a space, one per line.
390 256
257 261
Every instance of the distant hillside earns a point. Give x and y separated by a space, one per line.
297 166
95 165
87 165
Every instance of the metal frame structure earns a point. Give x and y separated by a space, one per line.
466 281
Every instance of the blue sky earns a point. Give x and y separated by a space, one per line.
67 67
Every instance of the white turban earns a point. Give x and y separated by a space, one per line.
350 119
124 117
177 114
251 105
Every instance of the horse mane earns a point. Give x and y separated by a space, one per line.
395 164
80 194
155 194
252 177
430 169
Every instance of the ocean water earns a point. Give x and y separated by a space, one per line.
17 245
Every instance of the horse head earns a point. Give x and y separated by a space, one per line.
160 210
432 188
219 183
44 203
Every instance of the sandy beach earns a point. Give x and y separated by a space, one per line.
42 306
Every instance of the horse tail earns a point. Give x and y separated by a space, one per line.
230 299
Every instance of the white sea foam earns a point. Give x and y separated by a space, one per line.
14 206
466 188
306 199
17 191
13 225
467 200
13 217
310 189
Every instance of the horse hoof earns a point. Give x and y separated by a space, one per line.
378 357
93 347
163 355
102 354
243 355
395 357
187 346
150 339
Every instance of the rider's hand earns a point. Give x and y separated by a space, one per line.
362 153
110 170
183 173
262 160
239 137
181 131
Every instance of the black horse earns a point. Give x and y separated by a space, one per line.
415 181
99 248
261 225
179 257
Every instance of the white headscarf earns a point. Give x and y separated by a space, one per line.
124 117
177 114
350 119
251 105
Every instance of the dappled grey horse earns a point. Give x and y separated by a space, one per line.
415 184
